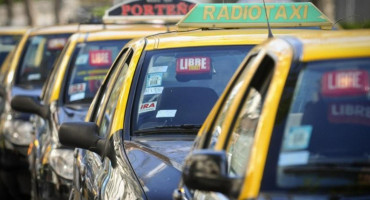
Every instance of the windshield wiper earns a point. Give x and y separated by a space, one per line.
183 128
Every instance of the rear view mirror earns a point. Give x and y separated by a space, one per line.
207 170
29 104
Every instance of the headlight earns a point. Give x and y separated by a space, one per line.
61 160
18 132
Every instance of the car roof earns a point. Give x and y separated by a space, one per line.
335 45
13 30
221 37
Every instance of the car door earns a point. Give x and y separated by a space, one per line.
92 168
235 125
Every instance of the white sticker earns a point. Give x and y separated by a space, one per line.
153 90
77 96
82 59
77 88
166 113
298 137
154 80
146 107
293 158
34 77
157 69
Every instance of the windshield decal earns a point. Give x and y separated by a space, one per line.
350 112
149 106
294 158
298 137
193 65
82 59
99 58
32 77
56 43
76 88
343 83
154 80
166 113
157 69
153 90
77 96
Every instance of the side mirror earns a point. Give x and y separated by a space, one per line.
29 104
207 170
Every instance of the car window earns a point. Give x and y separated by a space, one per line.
110 107
178 87
7 43
89 64
103 93
38 58
241 135
216 130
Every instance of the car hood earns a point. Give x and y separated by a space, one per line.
72 113
158 164
35 91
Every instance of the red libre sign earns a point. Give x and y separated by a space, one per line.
345 83
193 65
99 58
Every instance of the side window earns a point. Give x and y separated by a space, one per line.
110 107
228 102
241 135
106 85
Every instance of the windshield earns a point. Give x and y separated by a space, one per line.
321 143
38 58
88 67
7 43
178 87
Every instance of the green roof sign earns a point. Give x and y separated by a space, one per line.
254 15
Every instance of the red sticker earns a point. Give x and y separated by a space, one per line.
345 83
99 58
149 106
76 88
193 65
56 43
354 113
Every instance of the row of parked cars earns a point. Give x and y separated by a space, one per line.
208 109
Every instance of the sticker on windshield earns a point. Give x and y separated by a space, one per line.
99 58
154 80
82 59
193 65
153 90
32 77
166 113
349 112
56 43
78 96
158 69
345 83
149 106
293 158
298 137
77 88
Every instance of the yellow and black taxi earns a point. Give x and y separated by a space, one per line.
145 116
293 123
66 95
9 38
26 72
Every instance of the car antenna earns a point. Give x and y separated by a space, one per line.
268 23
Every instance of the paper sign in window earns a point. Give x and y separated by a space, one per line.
99 58
350 113
56 43
193 65
345 83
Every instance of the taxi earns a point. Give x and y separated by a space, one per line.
66 95
293 123
9 37
25 73
145 116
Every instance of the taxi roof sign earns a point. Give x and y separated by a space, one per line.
148 11
253 15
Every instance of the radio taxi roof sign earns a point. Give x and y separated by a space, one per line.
148 11
247 15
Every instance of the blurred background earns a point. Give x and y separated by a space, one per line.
347 13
